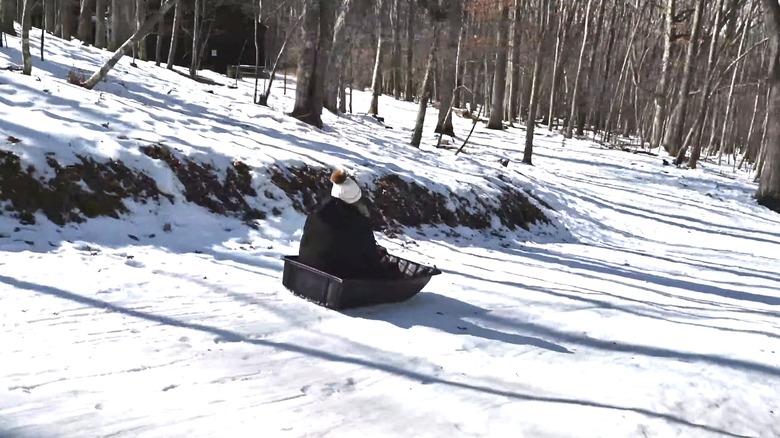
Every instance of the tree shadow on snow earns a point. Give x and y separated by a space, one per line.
449 315
399 370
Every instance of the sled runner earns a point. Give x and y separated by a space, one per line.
339 293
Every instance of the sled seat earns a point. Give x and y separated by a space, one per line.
339 293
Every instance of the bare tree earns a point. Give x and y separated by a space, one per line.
177 18
121 23
8 14
446 63
26 25
100 23
85 21
660 91
196 22
569 132
376 79
425 89
142 31
312 63
499 76
543 12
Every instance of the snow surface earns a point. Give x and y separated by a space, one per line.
654 313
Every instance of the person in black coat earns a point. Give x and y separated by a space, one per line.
337 236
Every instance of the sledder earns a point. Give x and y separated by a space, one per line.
340 265
338 239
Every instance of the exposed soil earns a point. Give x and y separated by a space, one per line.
91 189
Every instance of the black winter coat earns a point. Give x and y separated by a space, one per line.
338 239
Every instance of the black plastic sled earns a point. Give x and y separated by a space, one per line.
337 293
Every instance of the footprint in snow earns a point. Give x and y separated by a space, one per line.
328 389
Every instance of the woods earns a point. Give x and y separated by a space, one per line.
687 79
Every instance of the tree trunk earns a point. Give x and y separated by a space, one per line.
140 16
196 22
121 23
174 35
569 132
459 65
142 31
8 16
499 76
158 43
396 58
376 82
446 62
660 92
341 43
409 84
768 193
585 102
264 97
560 41
85 21
674 132
515 64
730 101
707 89
26 25
536 84
312 63
100 23
66 19
50 15
425 90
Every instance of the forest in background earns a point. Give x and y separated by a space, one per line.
689 79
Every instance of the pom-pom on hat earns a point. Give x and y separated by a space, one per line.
344 187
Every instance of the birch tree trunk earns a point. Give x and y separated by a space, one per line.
499 76
768 193
142 31
174 36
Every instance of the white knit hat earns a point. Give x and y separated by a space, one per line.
345 188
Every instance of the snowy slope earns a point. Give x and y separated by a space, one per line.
656 316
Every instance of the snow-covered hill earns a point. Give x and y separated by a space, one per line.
647 306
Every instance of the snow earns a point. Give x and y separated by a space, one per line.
654 312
